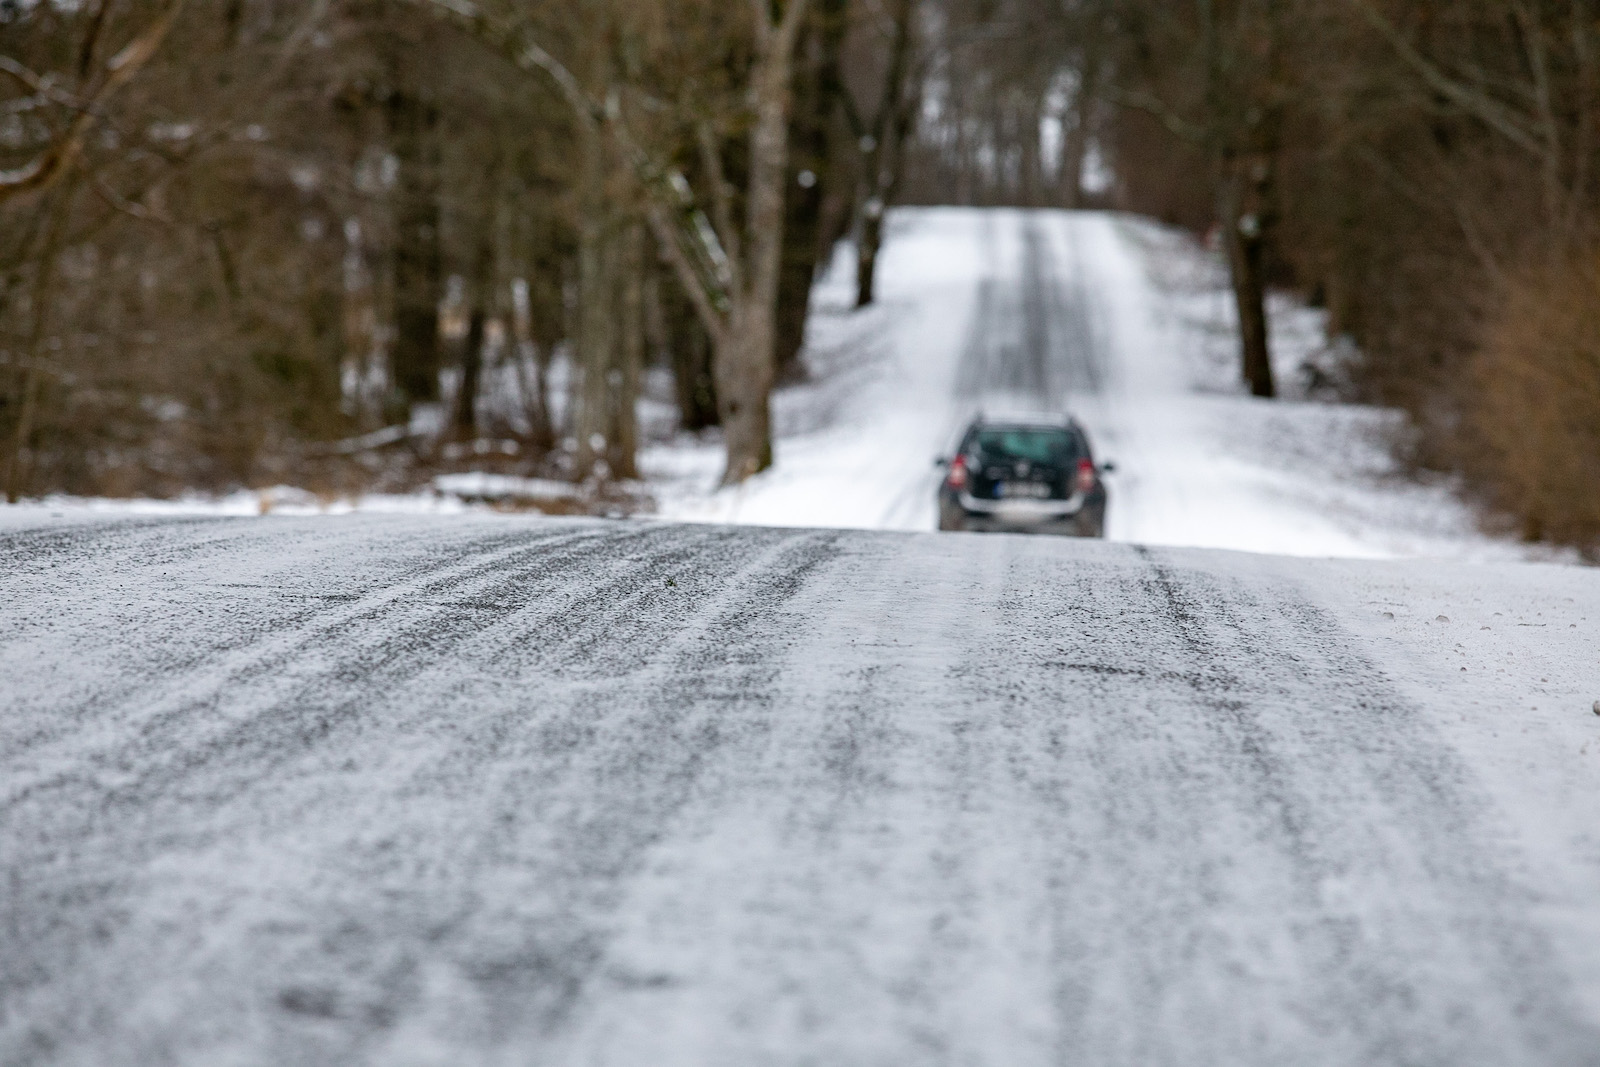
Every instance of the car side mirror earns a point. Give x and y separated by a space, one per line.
1108 467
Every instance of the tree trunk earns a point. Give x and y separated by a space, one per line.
472 351
418 263
1075 146
745 364
539 330
692 371
364 375
597 269
16 462
800 251
884 155
622 380
867 246
817 94
1244 224
1029 139
744 374
465 417
32 376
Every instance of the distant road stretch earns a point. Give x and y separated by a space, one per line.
504 791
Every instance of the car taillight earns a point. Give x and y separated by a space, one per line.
957 478
1085 476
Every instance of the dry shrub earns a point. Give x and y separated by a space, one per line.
1534 406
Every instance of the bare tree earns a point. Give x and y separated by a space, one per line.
1215 74
728 267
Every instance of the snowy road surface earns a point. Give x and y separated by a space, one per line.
512 791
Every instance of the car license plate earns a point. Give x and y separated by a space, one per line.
1023 491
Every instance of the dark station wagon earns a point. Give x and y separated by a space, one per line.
1024 475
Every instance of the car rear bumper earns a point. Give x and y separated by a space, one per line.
1023 512
1079 525
1086 517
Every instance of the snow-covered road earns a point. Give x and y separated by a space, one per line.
483 790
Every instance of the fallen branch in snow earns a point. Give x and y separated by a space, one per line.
366 442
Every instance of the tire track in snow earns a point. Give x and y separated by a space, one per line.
261 775
1301 771
1152 818
160 700
1077 353
1034 341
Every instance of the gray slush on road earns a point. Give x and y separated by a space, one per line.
507 791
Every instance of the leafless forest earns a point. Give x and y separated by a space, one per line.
349 243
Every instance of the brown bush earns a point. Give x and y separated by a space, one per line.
1534 406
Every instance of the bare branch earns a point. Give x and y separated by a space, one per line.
721 199
91 40
711 317
1486 109
30 81
37 366
315 15
761 20
136 53
131 208
788 30
43 171
669 191
1152 105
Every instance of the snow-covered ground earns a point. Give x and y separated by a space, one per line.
1133 326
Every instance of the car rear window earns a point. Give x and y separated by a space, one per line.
1055 448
